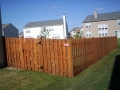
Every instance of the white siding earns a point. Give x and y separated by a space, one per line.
34 32
73 33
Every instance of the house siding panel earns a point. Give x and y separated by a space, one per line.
112 26
34 32
11 31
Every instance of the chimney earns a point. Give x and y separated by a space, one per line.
64 25
95 14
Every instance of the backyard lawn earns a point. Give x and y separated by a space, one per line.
119 42
96 77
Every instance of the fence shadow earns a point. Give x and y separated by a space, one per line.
115 78
4 52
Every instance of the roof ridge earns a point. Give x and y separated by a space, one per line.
44 23
104 13
45 20
6 23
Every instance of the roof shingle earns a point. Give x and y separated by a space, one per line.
4 26
102 17
44 23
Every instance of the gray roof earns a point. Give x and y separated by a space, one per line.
5 25
21 33
102 17
75 28
44 23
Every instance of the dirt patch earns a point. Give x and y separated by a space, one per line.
12 68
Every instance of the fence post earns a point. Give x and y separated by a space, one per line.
21 52
116 42
94 49
85 53
70 59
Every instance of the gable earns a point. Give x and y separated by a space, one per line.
6 26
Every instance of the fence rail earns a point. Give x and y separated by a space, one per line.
60 57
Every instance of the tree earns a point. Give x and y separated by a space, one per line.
44 32
77 36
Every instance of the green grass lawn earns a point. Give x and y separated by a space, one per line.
118 42
96 77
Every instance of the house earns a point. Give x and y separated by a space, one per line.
8 30
76 30
21 34
101 25
2 49
58 29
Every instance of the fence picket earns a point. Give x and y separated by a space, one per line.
60 57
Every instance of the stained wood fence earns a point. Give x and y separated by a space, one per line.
57 56
89 50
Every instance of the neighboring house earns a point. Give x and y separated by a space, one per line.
58 29
81 31
76 30
101 25
8 30
2 49
21 34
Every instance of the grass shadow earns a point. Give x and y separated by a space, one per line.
115 78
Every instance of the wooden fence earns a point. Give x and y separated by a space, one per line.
61 57
89 50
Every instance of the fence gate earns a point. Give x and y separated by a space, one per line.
32 54
43 55
47 55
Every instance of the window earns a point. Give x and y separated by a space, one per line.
88 34
88 25
102 34
55 36
27 31
118 21
99 34
81 31
102 29
106 34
